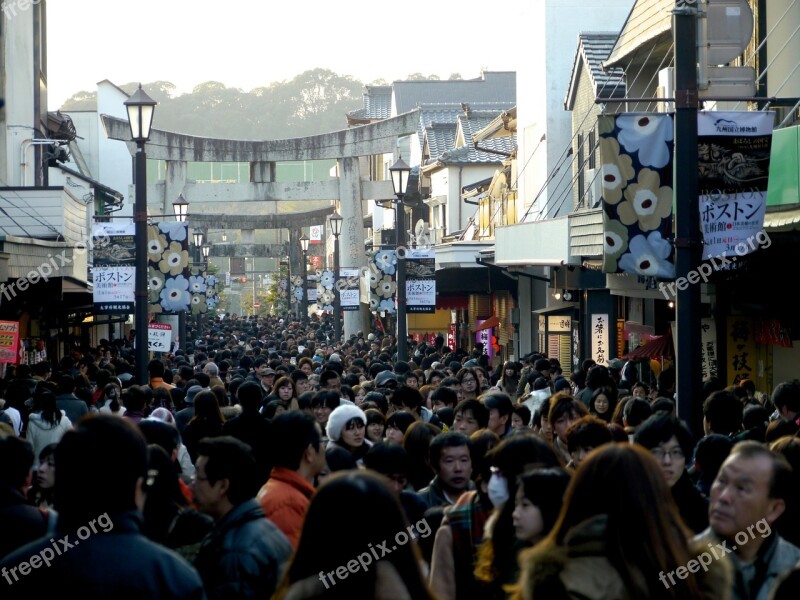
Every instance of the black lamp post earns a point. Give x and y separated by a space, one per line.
181 209
304 304
140 109
400 172
335 221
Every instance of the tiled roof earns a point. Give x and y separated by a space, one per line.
492 86
467 125
441 138
377 103
593 49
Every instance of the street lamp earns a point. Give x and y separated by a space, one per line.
400 172
304 306
140 109
181 209
197 236
335 221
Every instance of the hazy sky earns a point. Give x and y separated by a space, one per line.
252 43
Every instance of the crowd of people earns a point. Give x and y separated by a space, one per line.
266 460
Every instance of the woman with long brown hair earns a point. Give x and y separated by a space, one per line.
338 557
619 535
206 422
283 390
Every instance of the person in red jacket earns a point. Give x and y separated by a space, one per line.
299 457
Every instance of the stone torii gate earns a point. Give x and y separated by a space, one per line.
255 205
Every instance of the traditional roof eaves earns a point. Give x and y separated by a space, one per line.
647 20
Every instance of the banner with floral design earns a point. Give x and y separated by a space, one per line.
297 289
203 291
325 291
168 277
382 283
636 150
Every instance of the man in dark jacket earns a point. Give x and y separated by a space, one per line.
97 547
73 407
245 553
22 523
251 427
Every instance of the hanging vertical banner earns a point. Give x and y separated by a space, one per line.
114 268
636 151
741 359
382 281
172 287
484 336
9 342
708 348
325 290
315 234
420 281
348 289
600 339
296 294
576 345
733 171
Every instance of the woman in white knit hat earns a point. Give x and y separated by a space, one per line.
347 428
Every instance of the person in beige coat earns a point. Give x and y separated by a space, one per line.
619 536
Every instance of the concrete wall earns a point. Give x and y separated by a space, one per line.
17 119
551 29
45 213
449 182
782 78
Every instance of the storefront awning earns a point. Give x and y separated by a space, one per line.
492 321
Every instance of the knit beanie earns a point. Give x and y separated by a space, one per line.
339 418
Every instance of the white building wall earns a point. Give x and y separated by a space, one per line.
17 90
551 30
449 182
783 48
115 163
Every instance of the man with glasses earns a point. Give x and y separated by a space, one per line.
671 443
244 553
469 383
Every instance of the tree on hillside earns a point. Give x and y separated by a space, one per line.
314 102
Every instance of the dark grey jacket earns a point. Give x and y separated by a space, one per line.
244 555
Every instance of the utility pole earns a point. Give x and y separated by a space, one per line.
688 243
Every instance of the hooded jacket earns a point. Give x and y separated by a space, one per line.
40 433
